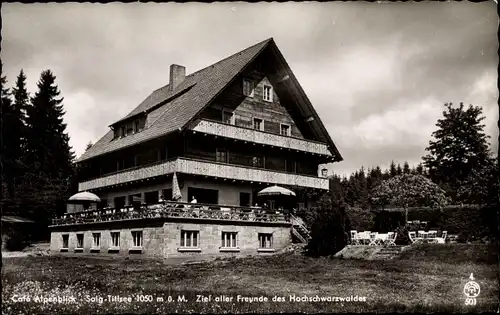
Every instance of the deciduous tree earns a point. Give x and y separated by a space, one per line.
408 190
459 148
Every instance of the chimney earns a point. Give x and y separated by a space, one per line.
177 75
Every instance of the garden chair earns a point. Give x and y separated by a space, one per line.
391 240
412 236
354 237
373 237
442 239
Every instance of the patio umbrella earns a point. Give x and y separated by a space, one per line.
176 191
85 196
275 191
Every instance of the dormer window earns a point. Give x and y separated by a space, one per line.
248 87
227 117
123 131
268 93
137 126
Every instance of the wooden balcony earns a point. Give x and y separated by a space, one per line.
207 168
170 210
260 137
251 174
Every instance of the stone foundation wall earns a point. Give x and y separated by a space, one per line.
163 240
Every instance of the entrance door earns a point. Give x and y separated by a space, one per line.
119 202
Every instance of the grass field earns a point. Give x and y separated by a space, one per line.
426 278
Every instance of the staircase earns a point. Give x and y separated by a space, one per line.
387 253
299 230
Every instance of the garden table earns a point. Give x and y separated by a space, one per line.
378 239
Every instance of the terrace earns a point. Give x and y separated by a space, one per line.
169 210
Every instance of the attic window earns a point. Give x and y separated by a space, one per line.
284 130
123 131
227 117
268 93
248 87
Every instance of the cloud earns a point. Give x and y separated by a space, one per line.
378 74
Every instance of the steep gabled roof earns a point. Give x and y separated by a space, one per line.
206 84
173 110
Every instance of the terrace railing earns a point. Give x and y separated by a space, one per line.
173 210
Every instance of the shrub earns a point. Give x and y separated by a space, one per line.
15 240
329 230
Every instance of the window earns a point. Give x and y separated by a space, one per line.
285 130
135 199
244 199
189 238
257 161
268 93
65 241
248 87
324 172
228 239
115 239
227 117
258 124
272 204
151 197
221 155
119 202
290 166
136 126
79 240
123 131
203 195
265 240
97 239
137 238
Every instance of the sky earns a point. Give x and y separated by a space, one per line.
378 74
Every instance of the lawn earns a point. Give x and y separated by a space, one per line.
426 278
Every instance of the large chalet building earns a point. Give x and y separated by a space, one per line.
218 136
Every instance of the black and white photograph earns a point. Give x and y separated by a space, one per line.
236 157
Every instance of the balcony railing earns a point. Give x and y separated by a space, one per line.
261 137
208 168
174 210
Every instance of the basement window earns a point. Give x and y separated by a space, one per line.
65 242
229 239
137 239
265 240
190 241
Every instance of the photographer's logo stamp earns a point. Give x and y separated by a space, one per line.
471 291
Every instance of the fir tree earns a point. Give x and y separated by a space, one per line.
406 168
48 154
392 169
399 170
6 156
